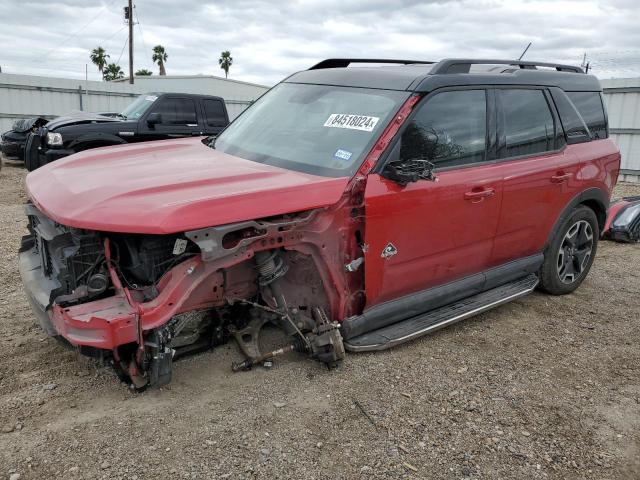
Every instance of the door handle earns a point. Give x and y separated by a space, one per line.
479 194
561 177
197 134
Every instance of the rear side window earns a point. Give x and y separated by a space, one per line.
450 129
214 111
589 105
528 122
178 111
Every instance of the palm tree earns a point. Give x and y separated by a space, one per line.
143 72
99 58
160 57
225 61
112 72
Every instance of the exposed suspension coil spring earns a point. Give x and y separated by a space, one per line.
271 267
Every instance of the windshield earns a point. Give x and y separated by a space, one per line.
140 105
316 129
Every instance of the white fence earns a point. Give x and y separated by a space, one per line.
25 96
622 97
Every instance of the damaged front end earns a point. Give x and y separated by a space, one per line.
140 301
12 143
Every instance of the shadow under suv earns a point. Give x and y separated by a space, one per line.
355 207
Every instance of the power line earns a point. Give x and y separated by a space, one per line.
122 51
69 37
111 36
135 10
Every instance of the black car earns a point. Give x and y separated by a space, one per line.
152 116
13 141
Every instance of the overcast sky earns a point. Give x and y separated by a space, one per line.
269 40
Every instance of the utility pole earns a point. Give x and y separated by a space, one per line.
128 15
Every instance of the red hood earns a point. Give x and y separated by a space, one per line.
170 186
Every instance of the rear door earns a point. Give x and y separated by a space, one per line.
429 233
215 116
537 169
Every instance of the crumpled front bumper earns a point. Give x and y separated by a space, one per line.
37 286
113 321
103 324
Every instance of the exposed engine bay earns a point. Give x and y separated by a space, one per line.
159 297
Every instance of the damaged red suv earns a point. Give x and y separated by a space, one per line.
355 207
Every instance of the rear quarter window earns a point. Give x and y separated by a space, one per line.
215 114
589 105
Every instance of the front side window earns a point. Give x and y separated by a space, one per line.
528 122
177 111
450 129
589 105
318 129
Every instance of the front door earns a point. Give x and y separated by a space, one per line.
428 233
178 118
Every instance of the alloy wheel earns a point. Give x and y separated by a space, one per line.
575 251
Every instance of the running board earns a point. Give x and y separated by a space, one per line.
417 326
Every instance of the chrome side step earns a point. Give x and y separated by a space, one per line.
420 325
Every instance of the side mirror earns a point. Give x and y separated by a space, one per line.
154 119
407 171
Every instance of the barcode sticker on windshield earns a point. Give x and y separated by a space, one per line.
353 122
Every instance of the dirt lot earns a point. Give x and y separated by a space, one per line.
544 387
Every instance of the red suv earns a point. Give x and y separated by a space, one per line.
353 206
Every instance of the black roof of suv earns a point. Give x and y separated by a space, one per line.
422 76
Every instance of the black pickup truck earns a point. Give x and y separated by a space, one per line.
152 116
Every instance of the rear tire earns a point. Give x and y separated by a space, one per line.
570 254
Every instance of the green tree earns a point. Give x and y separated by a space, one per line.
112 72
225 61
160 57
99 58
143 72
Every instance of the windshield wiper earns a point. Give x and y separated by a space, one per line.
124 117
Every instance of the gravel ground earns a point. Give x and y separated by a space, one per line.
544 387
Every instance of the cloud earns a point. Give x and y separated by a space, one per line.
271 39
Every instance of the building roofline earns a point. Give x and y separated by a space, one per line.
184 77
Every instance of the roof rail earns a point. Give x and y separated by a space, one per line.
345 62
462 65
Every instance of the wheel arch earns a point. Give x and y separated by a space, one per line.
100 140
594 198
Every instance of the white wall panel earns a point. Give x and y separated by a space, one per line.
25 96
622 98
